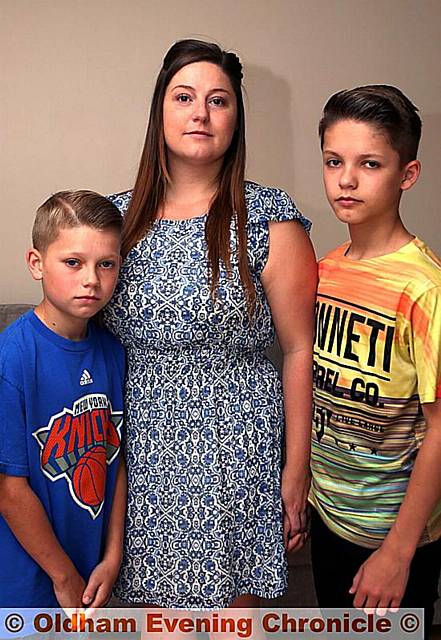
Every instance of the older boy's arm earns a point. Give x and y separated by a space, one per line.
102 578
381 580
27 519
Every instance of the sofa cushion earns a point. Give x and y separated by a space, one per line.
10 312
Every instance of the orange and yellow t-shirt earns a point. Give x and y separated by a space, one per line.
377 357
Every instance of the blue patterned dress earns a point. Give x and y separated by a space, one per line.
204 418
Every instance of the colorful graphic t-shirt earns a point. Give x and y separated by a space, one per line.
60 427
377 357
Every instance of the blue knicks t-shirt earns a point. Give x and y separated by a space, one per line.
61 415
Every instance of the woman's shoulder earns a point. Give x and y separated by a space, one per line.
266 204
121 200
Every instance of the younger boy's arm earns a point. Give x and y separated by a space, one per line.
27 519
102 578
381 580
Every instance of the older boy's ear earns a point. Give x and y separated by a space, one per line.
35 263
411 173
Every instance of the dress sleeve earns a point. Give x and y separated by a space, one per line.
267 204
121 200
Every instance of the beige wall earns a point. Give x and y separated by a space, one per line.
76 76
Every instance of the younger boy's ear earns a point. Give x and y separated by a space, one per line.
35 263
411 173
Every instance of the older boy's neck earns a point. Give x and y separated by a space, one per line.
372 241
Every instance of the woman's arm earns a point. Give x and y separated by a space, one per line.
290 281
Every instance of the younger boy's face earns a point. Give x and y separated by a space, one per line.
79 270
362 173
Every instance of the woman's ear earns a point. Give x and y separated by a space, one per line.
411 173
34 261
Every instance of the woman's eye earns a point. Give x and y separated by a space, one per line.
183 97
217 101
72 262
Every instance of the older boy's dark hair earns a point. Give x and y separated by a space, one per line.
68 209
383 106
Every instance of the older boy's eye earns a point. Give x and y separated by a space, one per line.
372 164
72 262
332 162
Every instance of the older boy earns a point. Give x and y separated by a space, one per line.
62 483
376 448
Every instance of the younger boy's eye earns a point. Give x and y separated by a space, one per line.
107 264
72 262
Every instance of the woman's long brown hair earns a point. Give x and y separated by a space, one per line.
151 183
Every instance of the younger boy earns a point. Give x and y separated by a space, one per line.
62 483
376 447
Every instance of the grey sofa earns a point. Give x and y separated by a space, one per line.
301 588
10 312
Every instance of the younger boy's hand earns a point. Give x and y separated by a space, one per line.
69 591
99 587
380 583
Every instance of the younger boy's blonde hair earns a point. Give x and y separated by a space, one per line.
68 209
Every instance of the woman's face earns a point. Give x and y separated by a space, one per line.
199 115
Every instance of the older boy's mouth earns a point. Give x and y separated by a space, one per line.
348 199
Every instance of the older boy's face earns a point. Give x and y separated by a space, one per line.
79 271
362 173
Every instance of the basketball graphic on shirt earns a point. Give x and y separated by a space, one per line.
89 476
79 444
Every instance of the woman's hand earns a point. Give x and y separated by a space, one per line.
100 584
295 489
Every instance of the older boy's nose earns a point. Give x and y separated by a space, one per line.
348 177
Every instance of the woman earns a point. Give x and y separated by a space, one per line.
212 264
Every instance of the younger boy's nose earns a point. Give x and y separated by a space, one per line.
90 278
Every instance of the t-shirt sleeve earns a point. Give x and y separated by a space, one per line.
267 204
426 343
13 441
